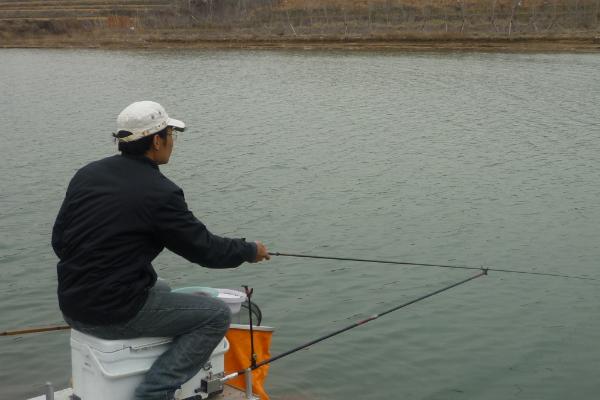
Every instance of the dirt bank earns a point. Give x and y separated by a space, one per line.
171 41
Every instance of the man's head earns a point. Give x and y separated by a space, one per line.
144 128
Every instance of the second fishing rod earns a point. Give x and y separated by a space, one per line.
482 272
254 365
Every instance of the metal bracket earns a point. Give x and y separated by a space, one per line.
211 384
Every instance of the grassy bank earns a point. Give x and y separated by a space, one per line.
496 25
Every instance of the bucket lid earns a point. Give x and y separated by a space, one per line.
212 292
231 296
112 346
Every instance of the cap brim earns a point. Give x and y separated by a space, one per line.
176 124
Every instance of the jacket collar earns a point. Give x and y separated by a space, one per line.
142 159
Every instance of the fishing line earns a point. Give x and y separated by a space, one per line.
354 325
434 265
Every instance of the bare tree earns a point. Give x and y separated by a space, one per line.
493 15
463 15
513 11
445 18
554 15
370 14
210 10
388 9
241 8
287 14
345 12
533 16
424 11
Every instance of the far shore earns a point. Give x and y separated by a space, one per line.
386 25
405 44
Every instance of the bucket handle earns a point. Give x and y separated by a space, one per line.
225 345
111 375
130 373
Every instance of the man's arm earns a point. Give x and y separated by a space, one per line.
182 233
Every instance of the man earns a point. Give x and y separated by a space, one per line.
118 214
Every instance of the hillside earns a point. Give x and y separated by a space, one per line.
193 22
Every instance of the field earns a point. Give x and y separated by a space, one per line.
562 24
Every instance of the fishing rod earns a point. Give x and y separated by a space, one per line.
434 265
483 272
35 330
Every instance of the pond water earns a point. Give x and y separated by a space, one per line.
452 158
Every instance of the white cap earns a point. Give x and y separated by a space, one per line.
144 118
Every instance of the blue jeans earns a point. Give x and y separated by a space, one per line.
197 324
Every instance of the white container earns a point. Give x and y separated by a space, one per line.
233 298
112 369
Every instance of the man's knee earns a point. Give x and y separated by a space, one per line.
216 316
224 317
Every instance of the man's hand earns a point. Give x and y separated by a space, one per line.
261 252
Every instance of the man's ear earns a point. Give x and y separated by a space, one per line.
156 142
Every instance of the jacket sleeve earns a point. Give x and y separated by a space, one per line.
182 233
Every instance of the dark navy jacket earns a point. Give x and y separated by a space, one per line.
118 214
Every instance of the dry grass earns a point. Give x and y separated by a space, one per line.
140 22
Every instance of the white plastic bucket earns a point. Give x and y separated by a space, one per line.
112 369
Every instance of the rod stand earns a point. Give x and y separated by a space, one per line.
248 378
249 292
49 391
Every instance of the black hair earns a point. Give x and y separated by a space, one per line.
141 146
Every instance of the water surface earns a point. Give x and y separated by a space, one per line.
467 159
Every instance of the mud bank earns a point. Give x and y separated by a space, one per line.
524 44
